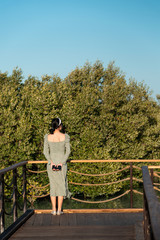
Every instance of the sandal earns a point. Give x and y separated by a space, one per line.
53 213
59 212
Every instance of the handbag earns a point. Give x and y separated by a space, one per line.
57 167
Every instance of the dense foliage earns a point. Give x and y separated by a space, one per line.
106 118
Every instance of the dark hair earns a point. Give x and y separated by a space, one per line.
56 123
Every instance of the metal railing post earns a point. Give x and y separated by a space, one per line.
15 194
24 189
2 218
131 185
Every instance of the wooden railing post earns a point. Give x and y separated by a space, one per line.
2 219
24 189
15 194
131 185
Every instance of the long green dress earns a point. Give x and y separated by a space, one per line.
58 153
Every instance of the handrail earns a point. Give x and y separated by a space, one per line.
130 167
117 160
14 195
3 171
151 208
153 167
109 160
24 163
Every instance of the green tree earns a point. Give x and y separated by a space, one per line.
130 117
106 118
81 112
9 116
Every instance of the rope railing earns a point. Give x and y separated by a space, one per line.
42 196
156 175
137 192
33 186
136 167
103 184
99 184
36 171
15 194
151 208
156 184
99 175
103 201
157 189
37 191
11 211
88 174
137 179
87 184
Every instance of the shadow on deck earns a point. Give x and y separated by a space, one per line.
83 224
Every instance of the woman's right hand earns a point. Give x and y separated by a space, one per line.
52 164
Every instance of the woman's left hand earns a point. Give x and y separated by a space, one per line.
58 165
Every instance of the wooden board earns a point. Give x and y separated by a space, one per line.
47 220
124 210
31 220
76 232
109 226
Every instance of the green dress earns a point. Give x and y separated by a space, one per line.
58 153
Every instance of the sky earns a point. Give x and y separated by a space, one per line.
54 37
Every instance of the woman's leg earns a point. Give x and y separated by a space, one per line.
60 202
53 201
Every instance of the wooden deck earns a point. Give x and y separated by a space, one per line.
87 225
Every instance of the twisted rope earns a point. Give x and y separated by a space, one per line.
157 189
156 171
36 171
8 186
158 184
9 198
99 184
11 212
19 207
98 175
135 191
104 201
34 186
41 196
156 175
138 180
137 167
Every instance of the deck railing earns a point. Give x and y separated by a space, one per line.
13 172
15 193
129 166
151 207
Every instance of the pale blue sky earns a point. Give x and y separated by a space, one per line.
53 37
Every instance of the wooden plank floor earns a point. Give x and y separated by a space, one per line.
108 226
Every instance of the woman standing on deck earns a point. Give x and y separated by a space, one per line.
56 151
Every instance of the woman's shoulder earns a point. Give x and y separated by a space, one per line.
46 136
67 137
